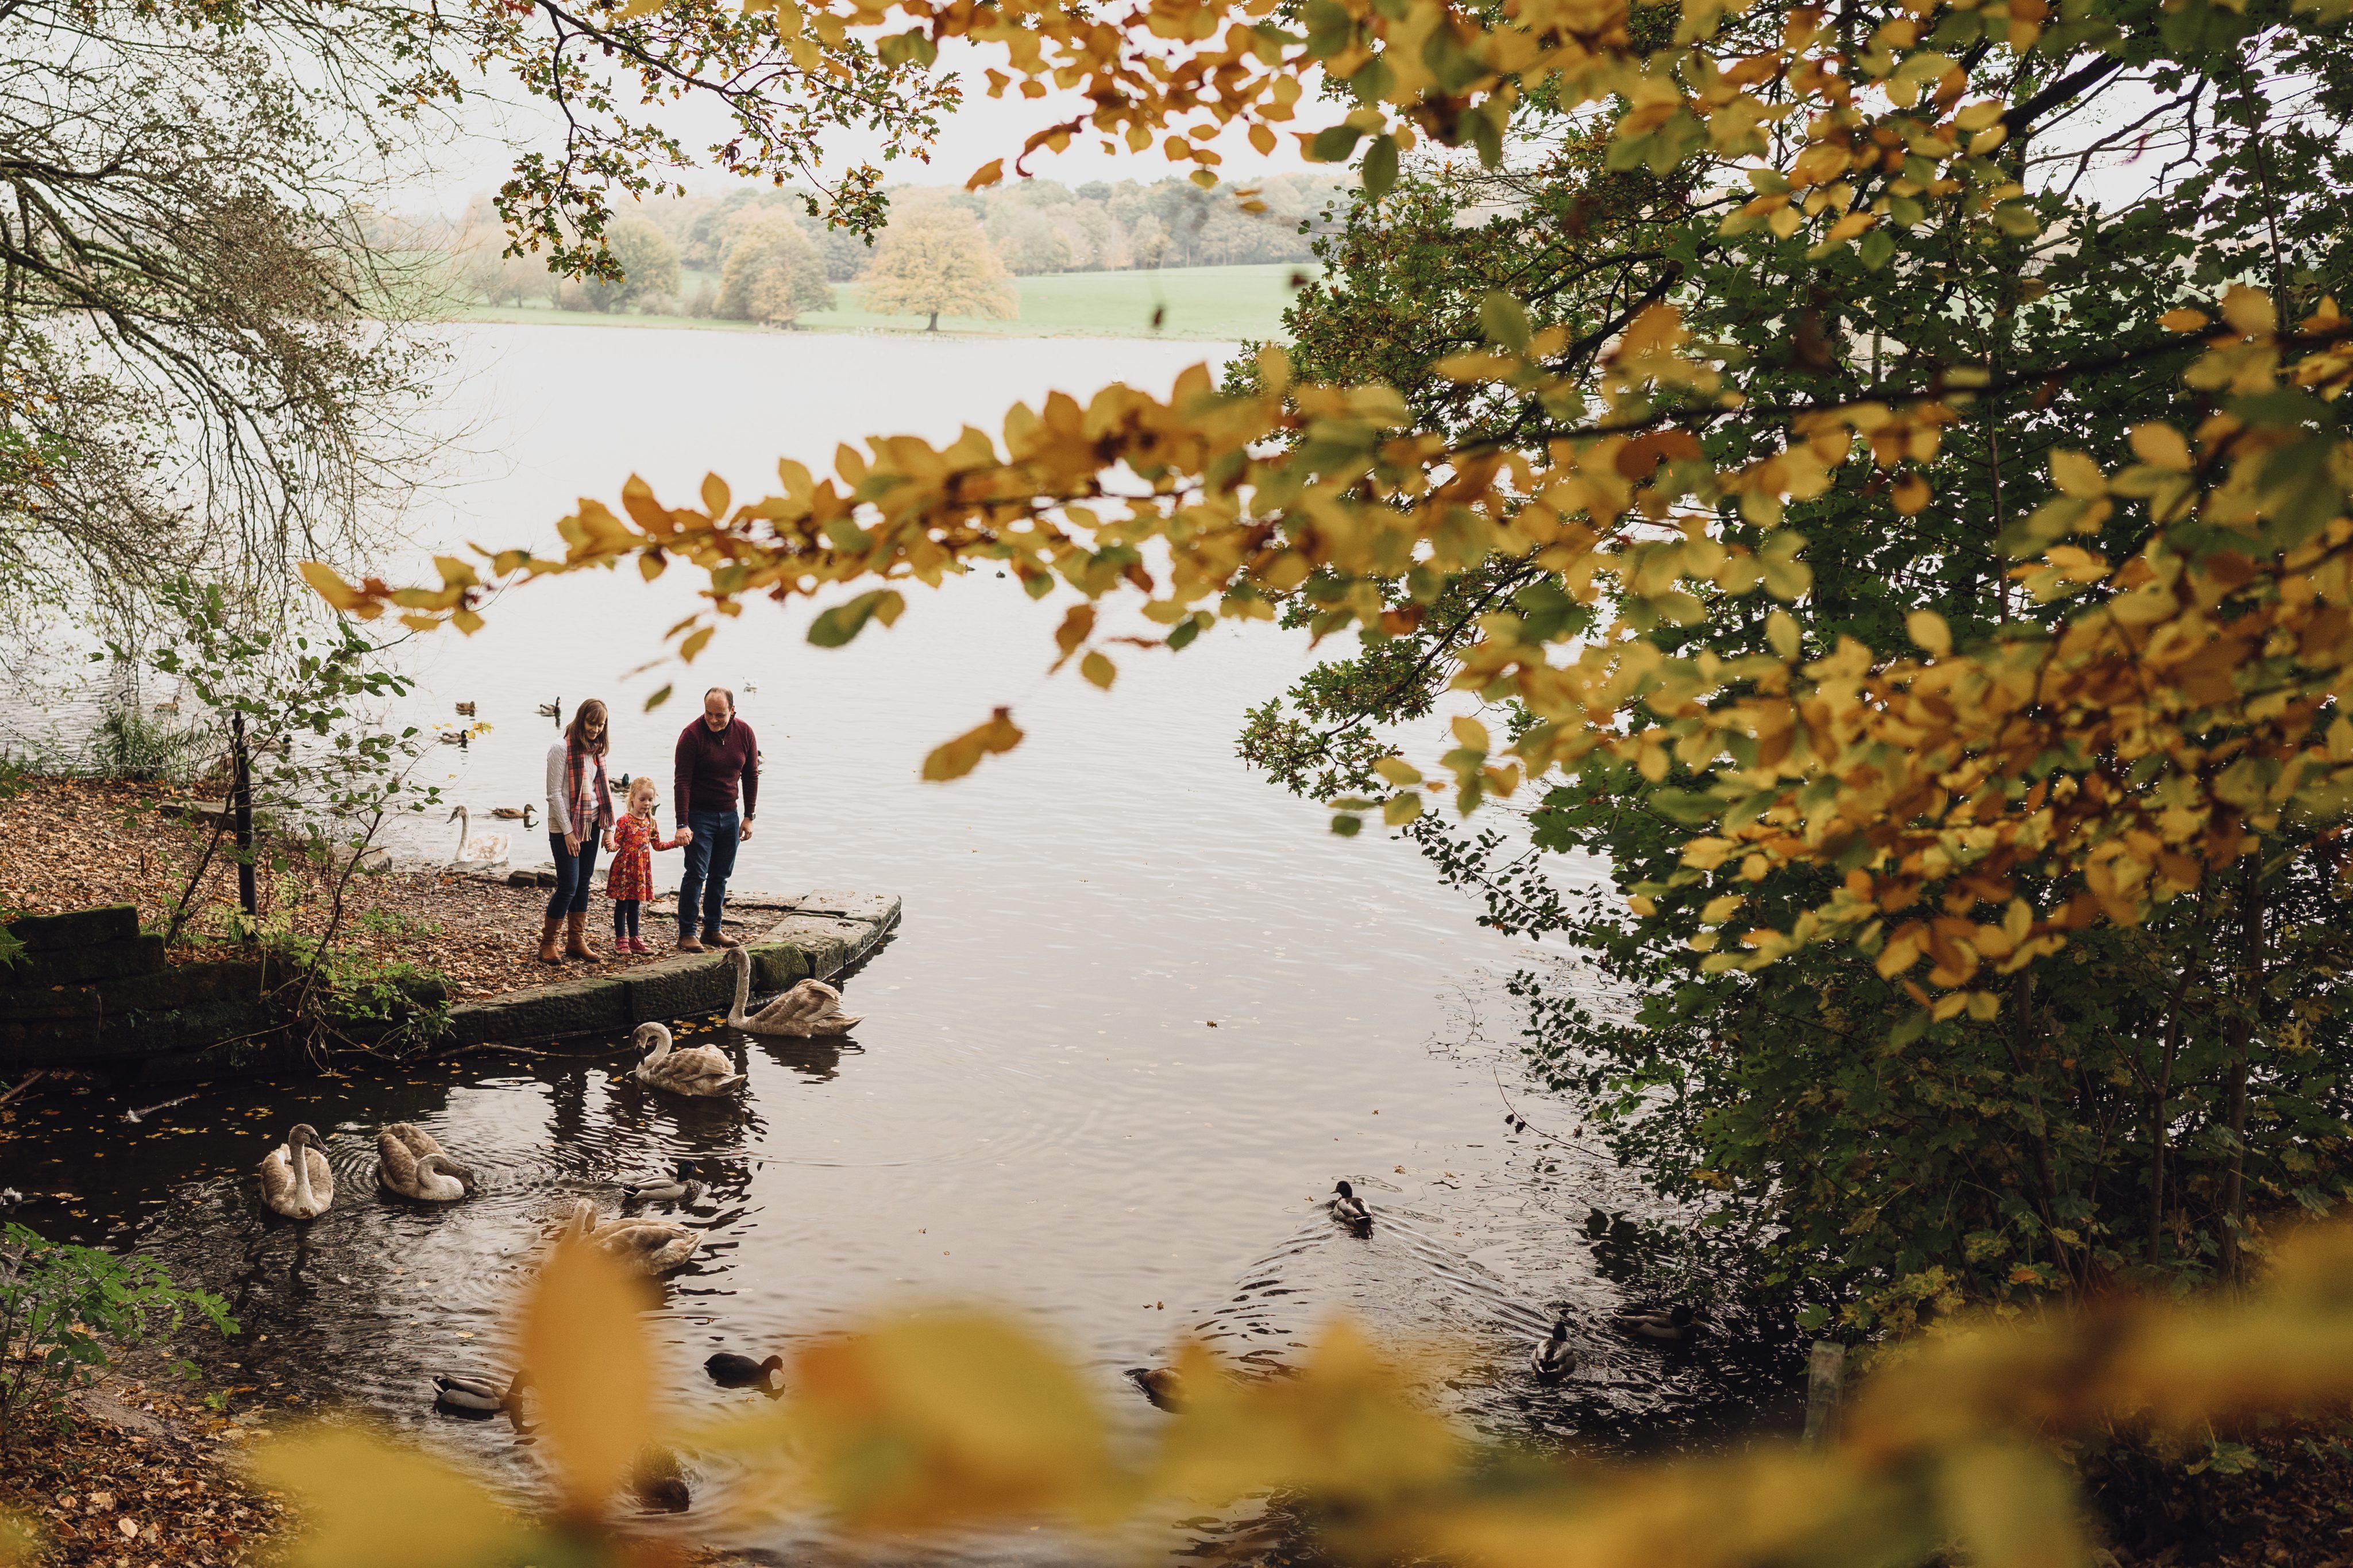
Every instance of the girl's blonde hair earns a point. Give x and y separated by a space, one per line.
645 785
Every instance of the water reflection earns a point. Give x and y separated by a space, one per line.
1038 1110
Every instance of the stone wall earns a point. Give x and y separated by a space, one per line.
92 993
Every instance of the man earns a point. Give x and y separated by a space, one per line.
715 754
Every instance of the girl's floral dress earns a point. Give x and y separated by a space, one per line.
632 873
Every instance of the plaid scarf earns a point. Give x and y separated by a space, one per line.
576 763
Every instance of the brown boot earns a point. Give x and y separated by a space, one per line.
686 942
548 951
575 937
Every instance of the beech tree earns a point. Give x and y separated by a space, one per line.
772 274
1924 569
937 260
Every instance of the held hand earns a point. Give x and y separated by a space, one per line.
685 834
609 844
744 831
572 844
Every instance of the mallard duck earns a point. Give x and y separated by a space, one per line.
553 711
409 1163
648 1245
680 1188
521 813
1552 1360
1160 1385
810 1007
465 710
731 1371
1676 1325
1348 1208
697 1070
484 849
458 1395
295 1179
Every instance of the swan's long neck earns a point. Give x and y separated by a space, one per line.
742 991
660 1053
465 828
298 1156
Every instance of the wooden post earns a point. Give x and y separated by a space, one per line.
1825 1384
240 792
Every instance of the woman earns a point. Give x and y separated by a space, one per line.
579 814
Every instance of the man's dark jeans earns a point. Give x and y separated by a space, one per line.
710 861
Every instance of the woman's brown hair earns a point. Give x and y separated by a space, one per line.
573 737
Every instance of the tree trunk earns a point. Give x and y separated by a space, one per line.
241 802
2242 1033
934 324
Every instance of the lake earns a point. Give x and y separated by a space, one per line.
1143 1010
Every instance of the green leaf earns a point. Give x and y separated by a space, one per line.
1877 250
656 699
1381 166
1504 321
1333 143
839 625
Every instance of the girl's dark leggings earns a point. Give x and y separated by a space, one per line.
624 917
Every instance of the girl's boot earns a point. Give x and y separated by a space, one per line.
575 940
548 951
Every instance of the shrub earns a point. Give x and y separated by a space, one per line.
61 1309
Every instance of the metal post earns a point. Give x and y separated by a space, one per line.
1825 1384
241 793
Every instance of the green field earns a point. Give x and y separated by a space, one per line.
1220 303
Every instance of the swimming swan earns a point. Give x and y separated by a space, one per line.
810 1007
409 1163
477 850
696 1069
295 1180
648 1245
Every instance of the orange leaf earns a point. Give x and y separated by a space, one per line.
586 1354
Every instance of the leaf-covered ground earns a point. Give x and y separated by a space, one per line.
68 843
138 1478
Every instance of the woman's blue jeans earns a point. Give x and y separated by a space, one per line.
573 874
710 861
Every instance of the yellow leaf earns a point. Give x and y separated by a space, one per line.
1401 809
695 644
1350 1428
1910 495
1098 669
714 496
365 1503
2184 320
2162 446
1398 772
954 759
1928 630
1719 910
988 173
947 1417
587 1354
329 586
1470 733
2076 475
1781 631
2012 1508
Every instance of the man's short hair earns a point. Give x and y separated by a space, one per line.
722 692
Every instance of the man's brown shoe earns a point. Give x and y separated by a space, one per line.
720 939
688 944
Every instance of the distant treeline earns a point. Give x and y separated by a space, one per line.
1035 227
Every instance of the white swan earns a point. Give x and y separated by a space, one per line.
648 1245
410 1163
810 1007
477 850
295 1179
696 1069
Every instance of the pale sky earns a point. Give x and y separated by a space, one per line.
477 158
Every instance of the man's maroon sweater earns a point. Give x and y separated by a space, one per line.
708 766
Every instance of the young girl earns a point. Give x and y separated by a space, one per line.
630 881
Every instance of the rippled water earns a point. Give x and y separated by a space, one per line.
1143 1009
